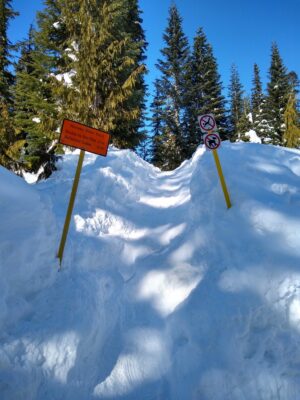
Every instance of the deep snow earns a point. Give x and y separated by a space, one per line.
164 294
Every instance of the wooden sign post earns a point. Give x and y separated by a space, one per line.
85 138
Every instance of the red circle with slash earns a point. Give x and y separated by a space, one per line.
212 141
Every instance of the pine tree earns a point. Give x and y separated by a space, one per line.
204 90
236 102
278 92
6 77
294 84
245 122
108 86
23 89
156 109
36 99
8 150
257 101
131 132
291 137
87 65
173 68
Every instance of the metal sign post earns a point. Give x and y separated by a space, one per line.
222 179
212 142
85 138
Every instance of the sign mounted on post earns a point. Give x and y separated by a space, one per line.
212 141
84 137
207 123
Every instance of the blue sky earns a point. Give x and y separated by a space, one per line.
240 31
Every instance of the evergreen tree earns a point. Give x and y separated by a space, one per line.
278 92
86 63
156 109
293 81
9 143
108 86
23 89
236 102
131 131
173 68
36 96
8 139
6 77
294 85
144 150
291 137
204 90
257 99
245 121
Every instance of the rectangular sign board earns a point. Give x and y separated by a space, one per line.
84 137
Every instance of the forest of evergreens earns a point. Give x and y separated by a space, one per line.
86 60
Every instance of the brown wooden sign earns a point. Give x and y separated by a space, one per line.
84 137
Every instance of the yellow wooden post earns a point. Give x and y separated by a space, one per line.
70 207
222 179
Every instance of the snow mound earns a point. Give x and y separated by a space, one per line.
164 293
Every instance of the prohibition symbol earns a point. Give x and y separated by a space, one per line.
207 122
212 141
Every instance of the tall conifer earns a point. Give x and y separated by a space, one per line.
6 77
291 136
37 103
257 104
204 90
236 102
156 109
108 87
173 68
8 152
277 98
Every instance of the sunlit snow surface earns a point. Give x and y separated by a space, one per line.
164 294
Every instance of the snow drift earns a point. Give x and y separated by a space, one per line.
164 293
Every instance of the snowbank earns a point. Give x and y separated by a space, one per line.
164 293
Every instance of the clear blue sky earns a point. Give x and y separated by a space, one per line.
240 31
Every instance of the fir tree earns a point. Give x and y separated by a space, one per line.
236 102
278 92
204 90
245 121
36 100
108 87
6 77
291 137
132 130
173 68
294 84
156 109
8 139
9 143
23 88
257 100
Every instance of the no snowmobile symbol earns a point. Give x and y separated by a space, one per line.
212 141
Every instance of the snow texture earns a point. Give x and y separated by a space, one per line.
164 294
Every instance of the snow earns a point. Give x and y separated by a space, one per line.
253 137
163 292
66 78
